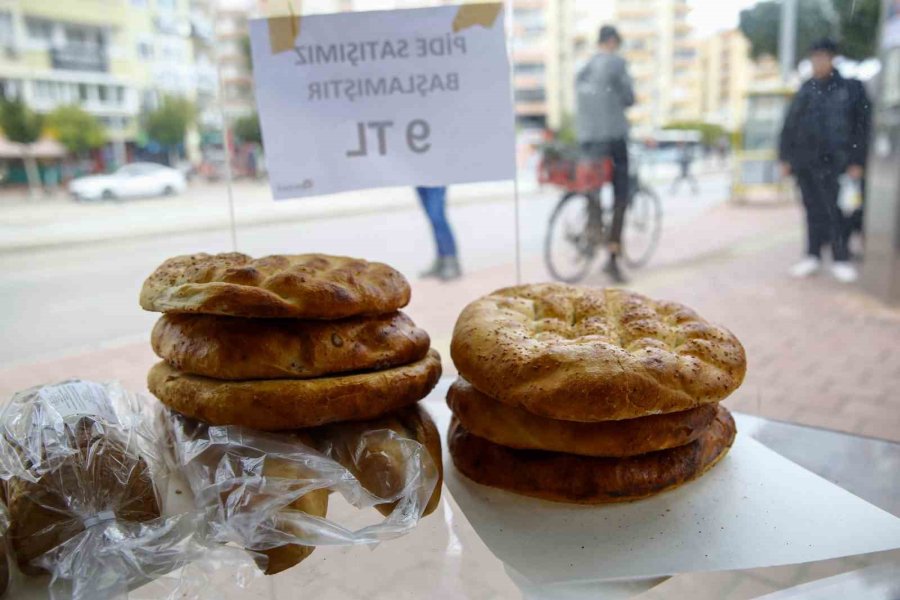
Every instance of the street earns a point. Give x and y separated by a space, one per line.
65 300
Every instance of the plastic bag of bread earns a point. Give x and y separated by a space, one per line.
268 492
83 475
4 551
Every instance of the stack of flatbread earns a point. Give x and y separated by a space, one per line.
589 395
293 342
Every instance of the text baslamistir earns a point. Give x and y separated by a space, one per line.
369 51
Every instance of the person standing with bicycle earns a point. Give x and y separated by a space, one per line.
603 91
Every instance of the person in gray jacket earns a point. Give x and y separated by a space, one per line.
603 91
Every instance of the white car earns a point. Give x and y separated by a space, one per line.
131 181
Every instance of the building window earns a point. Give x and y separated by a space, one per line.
7 37
145 50
635 44
42 90
529 18
39 31
104 93
120 94
82 92
529 95
534 69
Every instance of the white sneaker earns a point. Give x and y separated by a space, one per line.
806 267
844 272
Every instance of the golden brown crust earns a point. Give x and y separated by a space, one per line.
278 559
381 470
302 286
588 480
516 428
586 354
279 404
237 348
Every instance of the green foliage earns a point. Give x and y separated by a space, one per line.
710 133
246 129
168 123
76 129
566 134
247 51
854 23
19 123
859 21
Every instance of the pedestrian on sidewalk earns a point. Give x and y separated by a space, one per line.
825 135
603 90
446 265
685 158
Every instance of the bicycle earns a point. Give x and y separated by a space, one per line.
580 216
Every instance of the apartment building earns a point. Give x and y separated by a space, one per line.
113 59
728 74
543 56
663 61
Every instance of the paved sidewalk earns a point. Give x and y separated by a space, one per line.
819 353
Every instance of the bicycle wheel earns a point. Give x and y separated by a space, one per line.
643 226
572 240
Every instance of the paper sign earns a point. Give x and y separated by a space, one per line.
754 509
371 99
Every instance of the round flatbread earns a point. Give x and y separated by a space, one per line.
516 428
284 557
313 503
589 354
383 467
279 404
302 286
588 480
237 348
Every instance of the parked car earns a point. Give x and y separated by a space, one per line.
139 179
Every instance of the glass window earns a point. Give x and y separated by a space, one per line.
39 31
7 34
76 35
529 69
42 90
82 92
531 95
104 92
145 50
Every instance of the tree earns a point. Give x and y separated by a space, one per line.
246 129
168 124
23 126
77 130
859 21
854 23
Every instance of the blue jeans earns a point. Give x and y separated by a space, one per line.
433 200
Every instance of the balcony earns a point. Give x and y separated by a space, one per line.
531 109
638 13
523 81
79 57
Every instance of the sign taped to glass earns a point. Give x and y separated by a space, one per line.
373 99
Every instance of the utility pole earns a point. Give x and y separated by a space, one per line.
787 38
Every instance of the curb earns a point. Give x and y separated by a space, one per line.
223 223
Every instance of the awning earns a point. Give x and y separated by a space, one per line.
45 147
